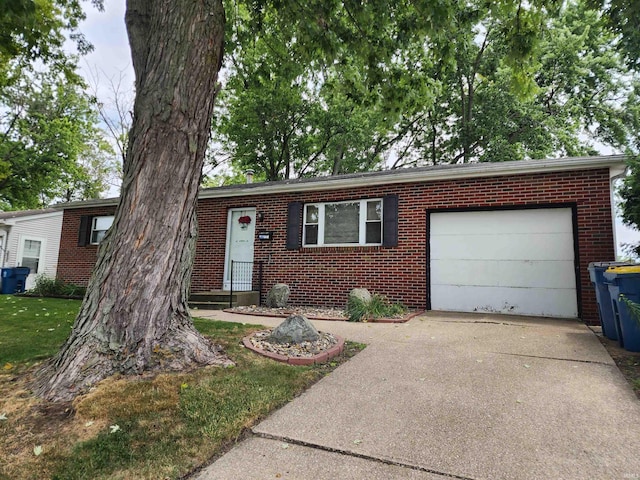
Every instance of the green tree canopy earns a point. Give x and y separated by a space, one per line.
36 30
581 98
466 81
50 145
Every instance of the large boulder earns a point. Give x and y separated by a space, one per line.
361 294
295 329
278 296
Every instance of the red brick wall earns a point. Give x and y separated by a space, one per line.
324 276
76 263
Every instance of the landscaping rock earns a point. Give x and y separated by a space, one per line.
278 296
295 329
361 294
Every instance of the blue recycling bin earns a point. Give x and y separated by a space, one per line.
14 280
625 281
21 274
605 309
8 280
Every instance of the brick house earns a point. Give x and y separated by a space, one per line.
512 237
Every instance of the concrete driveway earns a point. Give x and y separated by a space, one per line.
452 396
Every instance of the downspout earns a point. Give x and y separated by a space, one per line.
615 173
4 252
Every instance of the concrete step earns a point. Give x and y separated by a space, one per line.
220 299
209 305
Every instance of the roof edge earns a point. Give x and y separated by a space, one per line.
386 177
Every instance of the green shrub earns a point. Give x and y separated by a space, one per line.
379 307
633 307
46 286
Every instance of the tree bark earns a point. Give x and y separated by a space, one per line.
135 317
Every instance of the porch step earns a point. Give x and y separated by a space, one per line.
220 299
209 305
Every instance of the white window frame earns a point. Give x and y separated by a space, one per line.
93 227
41 258
362 226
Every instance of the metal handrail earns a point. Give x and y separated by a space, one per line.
246 278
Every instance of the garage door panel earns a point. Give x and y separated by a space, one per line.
517 301
512 261
538 274
464 272
533 246
556 220
516 273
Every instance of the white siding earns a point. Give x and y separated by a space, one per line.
46 226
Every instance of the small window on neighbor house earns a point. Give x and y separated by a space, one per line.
31 254
99 227
343 223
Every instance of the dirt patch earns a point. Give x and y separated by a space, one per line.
627 362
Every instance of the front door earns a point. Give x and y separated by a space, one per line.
241 227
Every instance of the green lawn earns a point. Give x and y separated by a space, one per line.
161 426
33 328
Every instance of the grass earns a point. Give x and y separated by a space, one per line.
359 310
161 426
32 329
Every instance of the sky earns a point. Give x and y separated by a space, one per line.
111 62
111 57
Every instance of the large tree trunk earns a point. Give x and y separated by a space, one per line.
134 317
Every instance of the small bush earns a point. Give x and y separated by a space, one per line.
47 287
379 307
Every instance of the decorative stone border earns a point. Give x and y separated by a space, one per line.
404 319
318 358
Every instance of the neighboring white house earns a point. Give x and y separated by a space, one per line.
31 238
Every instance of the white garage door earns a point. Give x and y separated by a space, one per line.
507 261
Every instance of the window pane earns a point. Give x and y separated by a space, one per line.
374 232
311 235
100 227
341 223
97 236
102 223
31 248
374 210
32 263
312 214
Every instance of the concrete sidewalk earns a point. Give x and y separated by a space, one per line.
452 396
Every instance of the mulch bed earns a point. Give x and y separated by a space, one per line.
314 313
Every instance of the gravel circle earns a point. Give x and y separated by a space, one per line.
309 312
304 349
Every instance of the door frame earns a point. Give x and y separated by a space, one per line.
42 259
226 282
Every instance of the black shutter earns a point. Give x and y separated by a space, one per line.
390 221
85 230
294 220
